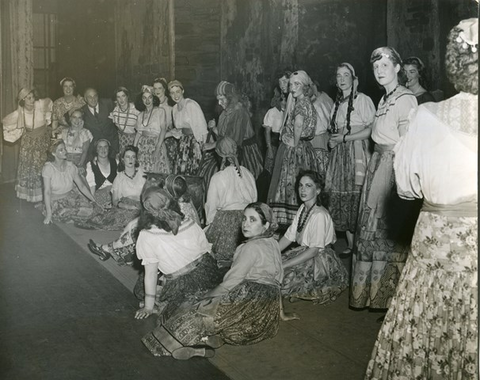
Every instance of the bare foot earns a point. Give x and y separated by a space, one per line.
288 316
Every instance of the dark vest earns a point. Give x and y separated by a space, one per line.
99 177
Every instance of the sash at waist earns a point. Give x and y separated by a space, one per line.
464 209
383 148
37 131
250 141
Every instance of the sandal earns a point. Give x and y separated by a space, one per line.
98 250
186 353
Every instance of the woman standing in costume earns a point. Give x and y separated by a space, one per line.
31 121
244 309
295 152
124 116
381 247
151 131
190 122
350 124
313 270
431 328
416 82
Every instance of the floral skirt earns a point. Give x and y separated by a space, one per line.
225 234
209 165
113 219
189 156
151 159
320 279
282 195
171 293
344 193
104 197
431 328
32 157
381 241
171 145
323 157
125 139
122 250
74 207
248 314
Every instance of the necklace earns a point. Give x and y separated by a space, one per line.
126 117
386 96
134 173
149 116
304 215
33 119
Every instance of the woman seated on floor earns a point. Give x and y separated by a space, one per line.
101 172
313 270
244 309
122 250
62 200
230 191
126 190
176 247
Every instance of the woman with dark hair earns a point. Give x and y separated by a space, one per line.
416 81
244 309
66 104
30 123
122 250
101 172
431 328
126 189
234 122
350 126
383 227
77 140
313 270
124 116
175 246
295 152
151 131
190 122
230 190
62 201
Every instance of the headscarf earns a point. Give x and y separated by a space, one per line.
227 149
147 88
225 88
306 81
270 218
354 76
22 94
468 37
175 83
169 185
157 202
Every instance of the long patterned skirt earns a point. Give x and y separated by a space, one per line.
209 165
381 243
282 195
122 250
248 314
172 292
125 139
320 279
171 145
113 219
341 185
225 234
151 159
251 158
431 328
32 157
189 156
73 207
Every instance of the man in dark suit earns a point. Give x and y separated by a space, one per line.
96 113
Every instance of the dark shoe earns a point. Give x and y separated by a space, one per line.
186 353
99 251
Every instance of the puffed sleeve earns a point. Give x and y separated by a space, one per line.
47 171
145 249
10 121
319 231
291 233
244 260
366 109
403 106
197 121
406 161
116 186
268 118
213 198
90 176
86 135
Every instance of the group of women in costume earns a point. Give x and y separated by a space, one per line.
226 283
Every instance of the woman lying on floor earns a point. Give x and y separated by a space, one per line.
244 309
313 271
176 247
122 250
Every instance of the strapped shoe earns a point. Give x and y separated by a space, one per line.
98 250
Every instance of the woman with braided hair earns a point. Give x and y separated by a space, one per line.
350 124
230 191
